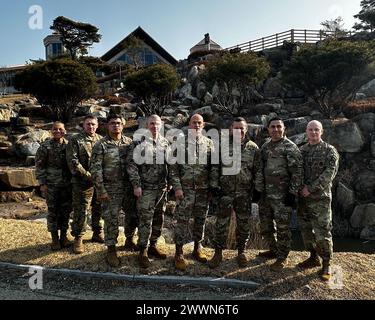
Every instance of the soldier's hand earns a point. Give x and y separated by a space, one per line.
179 194
138 192
43 189
305 192
103 197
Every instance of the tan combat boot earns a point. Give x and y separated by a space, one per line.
311 262
78 245
241 259
64 241
97 236
154 251
112 258
144 261
216 259
267 254
326 272
278 265
55 244
179 261
198 253
130 245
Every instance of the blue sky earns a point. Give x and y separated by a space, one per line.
176 25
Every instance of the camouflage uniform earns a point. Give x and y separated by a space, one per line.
152 178
314 212
236 193
52 170
282 172
78 155
195 180
109 175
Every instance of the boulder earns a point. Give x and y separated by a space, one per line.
372 145
345 200
272 88
299 139
201 90
368 233
366 122
296 125
18 178
208 98
185 91
28 144
15 196
363 216
345 136
364 185
206 112
6 113
193 74
368 89
265 108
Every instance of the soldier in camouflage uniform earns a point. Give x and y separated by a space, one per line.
78 155
54 177
235 194
191 182
150 187
321 162
282 170
111 183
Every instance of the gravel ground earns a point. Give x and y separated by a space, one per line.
27 242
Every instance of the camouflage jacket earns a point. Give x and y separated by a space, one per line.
282 168
195 175
107 165
147 175
249 172
78 155
321 163
50 163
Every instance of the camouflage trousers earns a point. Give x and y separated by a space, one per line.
274 223
84 196
195 205
315 223
118 199
241 204
151 207
59 203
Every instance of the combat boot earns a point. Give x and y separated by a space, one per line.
64 241
198 253
55 245
216 259
326 272
311 262
144 261
278 265
267 254
155 252
179 261
97 236
241 259
112 258
130 245
78 245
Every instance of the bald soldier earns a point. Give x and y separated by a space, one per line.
54 177
191 181
149 181
321 161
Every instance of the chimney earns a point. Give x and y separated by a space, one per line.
207 38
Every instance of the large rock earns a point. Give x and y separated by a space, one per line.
363 216
368 89
265 108
17 178
345 136
193 74
6 113
296 125
299 139
206 112
368 233
185 91
273 88
201 90
345 200
364 185
366 122
28 144
372 145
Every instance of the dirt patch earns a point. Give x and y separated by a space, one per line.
27 242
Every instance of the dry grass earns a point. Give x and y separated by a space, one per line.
27 242
13 97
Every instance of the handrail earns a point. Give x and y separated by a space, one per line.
292 35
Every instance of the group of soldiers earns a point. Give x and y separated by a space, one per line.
105 173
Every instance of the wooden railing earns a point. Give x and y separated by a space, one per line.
293 35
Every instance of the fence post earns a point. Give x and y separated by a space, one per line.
277 40
262 43
292 35
305 36
249 45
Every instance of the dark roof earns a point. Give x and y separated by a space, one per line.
145 37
